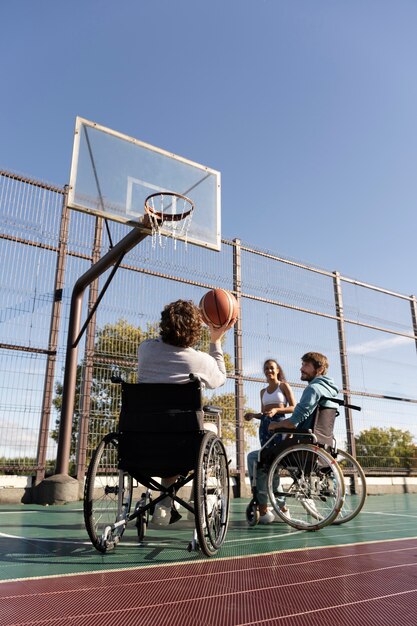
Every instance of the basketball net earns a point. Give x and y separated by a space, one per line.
170 217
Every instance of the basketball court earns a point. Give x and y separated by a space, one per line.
362 572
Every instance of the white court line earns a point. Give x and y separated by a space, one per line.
39 511
248 557
265 538
39 540
17 512
328 608
389 514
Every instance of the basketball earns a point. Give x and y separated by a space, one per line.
218 307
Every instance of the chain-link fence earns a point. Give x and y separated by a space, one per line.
286 309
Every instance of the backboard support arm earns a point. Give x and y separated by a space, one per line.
114 256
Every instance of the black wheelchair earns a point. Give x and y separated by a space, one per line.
161 434
304 478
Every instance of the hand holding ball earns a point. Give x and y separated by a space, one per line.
218 307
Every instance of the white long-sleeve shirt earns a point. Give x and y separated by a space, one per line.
159 362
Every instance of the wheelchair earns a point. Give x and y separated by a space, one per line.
161 434
303 474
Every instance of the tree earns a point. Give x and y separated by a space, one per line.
385 447
226 402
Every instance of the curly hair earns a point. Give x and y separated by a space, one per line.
317 359
180 324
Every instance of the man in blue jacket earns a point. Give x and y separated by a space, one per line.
314 367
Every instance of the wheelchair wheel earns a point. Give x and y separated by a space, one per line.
355 487
252 513
308 482
107 496
211 494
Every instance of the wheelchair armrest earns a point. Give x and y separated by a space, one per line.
214 410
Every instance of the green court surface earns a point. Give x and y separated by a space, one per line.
38 541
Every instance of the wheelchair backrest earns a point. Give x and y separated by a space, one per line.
323 425
160 427
161 407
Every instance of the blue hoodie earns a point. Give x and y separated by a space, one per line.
319 387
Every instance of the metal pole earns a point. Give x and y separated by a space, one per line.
53 342
240 435
87 377
350 435
64 442
413 304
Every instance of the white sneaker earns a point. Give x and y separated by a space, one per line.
162 514
267 518
279 519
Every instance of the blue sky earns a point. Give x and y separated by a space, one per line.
308 108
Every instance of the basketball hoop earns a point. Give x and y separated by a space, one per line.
165 210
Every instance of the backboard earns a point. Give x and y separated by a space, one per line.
112 174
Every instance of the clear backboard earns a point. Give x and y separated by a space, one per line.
112 175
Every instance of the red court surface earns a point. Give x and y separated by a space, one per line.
372 581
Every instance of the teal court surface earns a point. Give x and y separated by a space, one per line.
362 572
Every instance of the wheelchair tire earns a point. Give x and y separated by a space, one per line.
142 519
252 513
211 494
107 495
141 527
355 487
309 482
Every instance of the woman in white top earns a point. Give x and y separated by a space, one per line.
277 399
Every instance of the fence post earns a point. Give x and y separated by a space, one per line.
240 435
413 304
48 387
350 435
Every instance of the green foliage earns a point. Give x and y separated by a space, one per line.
226 402
115 344
385 447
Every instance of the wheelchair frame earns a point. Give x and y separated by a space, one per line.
109 484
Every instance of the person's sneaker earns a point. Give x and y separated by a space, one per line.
162 514
267 518
279 519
